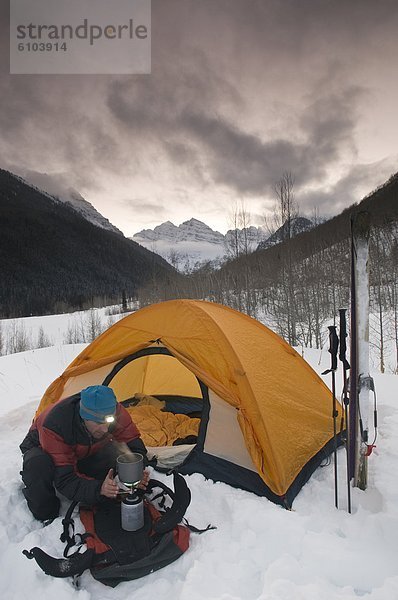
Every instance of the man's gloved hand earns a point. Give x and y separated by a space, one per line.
109 487
144 481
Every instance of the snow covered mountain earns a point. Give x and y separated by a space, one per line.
87 210
49 252
193 242
58 189
297 225
185 246
248 238
192 231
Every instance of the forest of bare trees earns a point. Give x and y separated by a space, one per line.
298 285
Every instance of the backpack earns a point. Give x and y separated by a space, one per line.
114 555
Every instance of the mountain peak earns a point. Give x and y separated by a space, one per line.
192 242
297 225
58 189
195 230
193 222
47 245
168 223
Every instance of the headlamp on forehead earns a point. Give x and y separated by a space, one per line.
98 403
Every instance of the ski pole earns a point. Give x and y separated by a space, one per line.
346 366
333 347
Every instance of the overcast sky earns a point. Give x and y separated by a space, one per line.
240 92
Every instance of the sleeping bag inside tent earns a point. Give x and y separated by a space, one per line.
214 390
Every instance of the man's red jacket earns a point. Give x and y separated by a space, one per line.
60 431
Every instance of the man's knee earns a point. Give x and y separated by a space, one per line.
37 464
37 475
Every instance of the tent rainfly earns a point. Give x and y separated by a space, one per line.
265 415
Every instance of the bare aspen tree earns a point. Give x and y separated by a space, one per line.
394 297
43 341
286 204
286 211
68 335
93 325
391 267
75 333
237 245
111 320
124 301
232 239
175 258
244 217
378 276
18 340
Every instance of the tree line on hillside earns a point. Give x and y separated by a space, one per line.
298 285
54 260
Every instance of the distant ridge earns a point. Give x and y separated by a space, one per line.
297 225
57 189
382 205
192 230
193 242
53 259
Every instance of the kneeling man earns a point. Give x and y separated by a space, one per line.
72 447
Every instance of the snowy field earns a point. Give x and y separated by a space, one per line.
259 550
27 333
49 330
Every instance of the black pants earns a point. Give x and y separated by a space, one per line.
38 477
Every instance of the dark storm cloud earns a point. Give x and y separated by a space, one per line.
154 103
237 159
48 123
246 162
334 199
252 165
192 117
185 122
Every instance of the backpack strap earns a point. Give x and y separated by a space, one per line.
68 535
175 514
195 529
70 566
61 567
181 498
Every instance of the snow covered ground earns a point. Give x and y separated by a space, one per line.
64 328
258 551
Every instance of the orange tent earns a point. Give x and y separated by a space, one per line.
266 419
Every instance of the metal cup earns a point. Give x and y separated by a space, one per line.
130 468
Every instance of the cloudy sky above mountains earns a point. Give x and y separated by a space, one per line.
240 92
